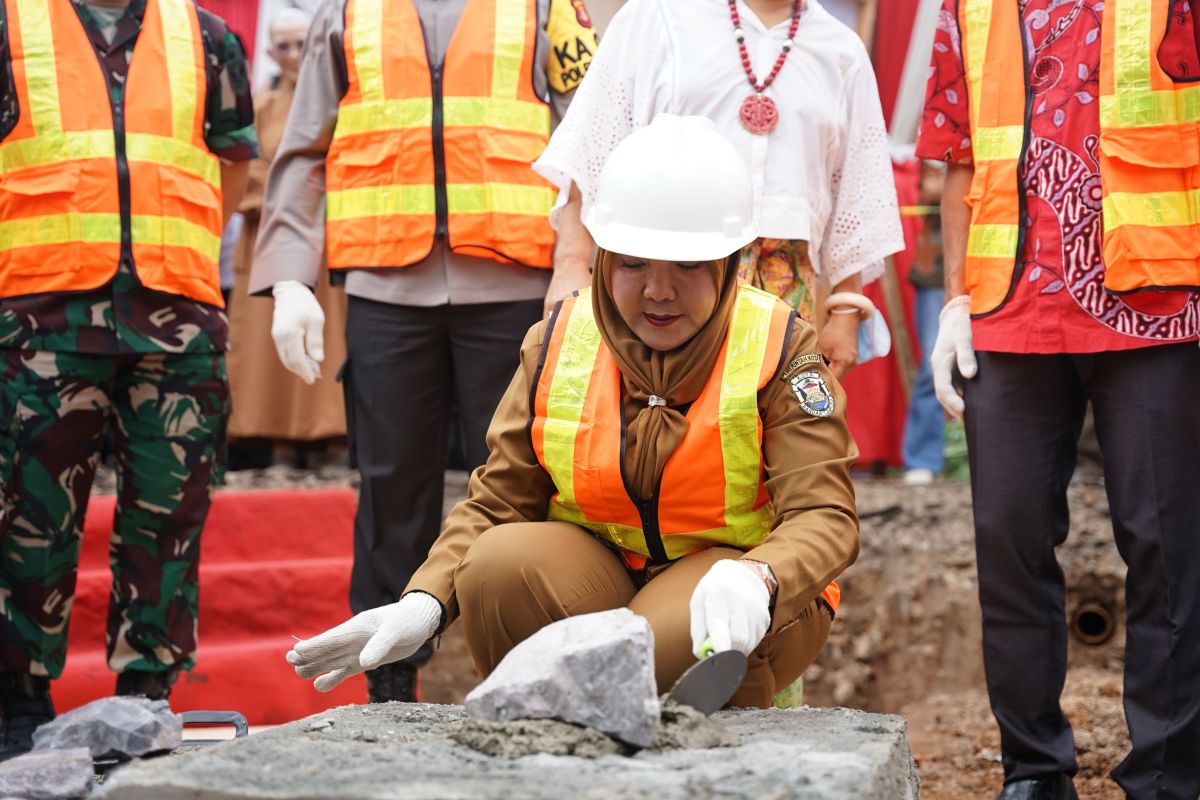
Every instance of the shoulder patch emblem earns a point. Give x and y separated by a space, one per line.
798 362
813 394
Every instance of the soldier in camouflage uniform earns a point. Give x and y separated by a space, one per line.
145 369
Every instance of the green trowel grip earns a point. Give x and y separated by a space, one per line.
707 648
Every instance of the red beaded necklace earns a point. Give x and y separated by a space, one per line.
758 113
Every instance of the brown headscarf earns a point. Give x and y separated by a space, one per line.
678 376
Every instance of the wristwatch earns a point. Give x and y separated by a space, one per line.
764 572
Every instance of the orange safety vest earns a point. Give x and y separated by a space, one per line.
418 153
712 490
1149 152
84 184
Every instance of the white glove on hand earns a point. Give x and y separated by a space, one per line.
298 328
953 345
379 636
730 606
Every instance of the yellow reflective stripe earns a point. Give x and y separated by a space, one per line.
992 241
997 144
749 331
567 396
1157 210
1147 108
106 228
508 49
54 148
60 229
379 201
979 20
367 32
1131 67
477 198
502 198
41 71
78 145
181 66
177 153
467 112
626 537
175 232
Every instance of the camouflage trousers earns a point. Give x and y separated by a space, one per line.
165 417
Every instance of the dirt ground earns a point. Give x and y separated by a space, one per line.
907 637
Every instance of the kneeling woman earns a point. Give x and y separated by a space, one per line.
672 442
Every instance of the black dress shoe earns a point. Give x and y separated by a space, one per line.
397 681
1057 786
154 685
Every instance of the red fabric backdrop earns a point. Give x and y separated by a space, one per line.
240 15
876 406
893 30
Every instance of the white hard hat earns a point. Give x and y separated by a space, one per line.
675 190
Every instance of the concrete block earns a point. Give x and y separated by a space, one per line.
593 669
405 752
47 775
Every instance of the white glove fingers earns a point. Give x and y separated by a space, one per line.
388 644
315 668
717 613
314 338
332 679
967 364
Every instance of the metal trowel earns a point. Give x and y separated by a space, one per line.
709 683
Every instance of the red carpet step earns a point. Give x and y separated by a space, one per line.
273 565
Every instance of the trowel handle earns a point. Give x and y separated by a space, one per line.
707 649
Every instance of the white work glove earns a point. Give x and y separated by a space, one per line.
731 607
953 345
298 328
379 636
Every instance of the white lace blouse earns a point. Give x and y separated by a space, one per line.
823 175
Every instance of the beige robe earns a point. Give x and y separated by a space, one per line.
268 401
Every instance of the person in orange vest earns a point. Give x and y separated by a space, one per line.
1072 257
672 442
407 161
112 331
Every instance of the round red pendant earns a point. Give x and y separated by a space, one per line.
758 114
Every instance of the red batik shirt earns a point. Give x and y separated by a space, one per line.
1059 304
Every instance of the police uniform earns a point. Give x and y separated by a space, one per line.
407 159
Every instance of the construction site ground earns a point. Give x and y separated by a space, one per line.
907 639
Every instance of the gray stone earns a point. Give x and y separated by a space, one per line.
123 726
402 751
47 775
594 669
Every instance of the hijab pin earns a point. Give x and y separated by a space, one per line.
655 400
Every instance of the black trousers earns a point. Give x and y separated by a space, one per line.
1023 417
408 369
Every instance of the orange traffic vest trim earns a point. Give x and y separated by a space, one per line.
713 489
418 153
77 192
1149 152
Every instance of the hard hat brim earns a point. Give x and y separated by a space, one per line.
660 245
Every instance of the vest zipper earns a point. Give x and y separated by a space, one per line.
123 190
439 154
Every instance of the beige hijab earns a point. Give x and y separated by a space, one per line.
678 376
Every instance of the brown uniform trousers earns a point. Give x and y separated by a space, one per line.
518 578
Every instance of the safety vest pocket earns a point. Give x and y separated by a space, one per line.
1151 207
45 179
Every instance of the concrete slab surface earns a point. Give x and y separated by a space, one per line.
394 751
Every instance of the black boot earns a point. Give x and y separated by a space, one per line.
1057 786
155 685
24 705
396 681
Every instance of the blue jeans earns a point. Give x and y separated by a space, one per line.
924 430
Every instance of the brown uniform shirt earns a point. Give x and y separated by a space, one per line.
807 458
